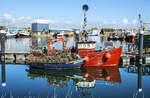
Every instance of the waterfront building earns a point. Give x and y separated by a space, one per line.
15 29
40 27
107 30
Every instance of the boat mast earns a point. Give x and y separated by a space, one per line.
141 22
85 9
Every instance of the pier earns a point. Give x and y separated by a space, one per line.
14 57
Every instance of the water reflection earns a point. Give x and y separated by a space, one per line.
18 44
3 73
105 73
86 81
141 70
55 77
82 78
140 77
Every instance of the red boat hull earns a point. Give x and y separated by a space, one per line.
100 58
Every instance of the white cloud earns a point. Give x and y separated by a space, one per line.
134 22
9 20
110 22
125 21
8 16
44 21
114 22
68 22
40 21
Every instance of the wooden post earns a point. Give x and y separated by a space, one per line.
2 41
141 46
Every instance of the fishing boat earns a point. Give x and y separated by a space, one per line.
54 59
22 33
70 65
108 56
60 34
9 34
94 32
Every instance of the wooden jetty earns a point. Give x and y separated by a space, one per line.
17 57
133 53
18 52
131 58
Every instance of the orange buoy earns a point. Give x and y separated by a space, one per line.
107 55
108 78
86 75
86 59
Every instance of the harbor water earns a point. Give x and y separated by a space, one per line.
20 81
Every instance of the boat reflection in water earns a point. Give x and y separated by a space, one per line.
103 73
54 77
82 78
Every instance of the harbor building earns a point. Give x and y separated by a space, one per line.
106 32
40 27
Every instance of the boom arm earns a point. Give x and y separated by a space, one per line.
55 40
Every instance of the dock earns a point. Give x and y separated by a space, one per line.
14 57
18 52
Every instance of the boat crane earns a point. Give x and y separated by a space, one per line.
55 40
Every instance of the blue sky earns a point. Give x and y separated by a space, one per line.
68 13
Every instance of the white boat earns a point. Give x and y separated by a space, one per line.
23 33
94 32
62 33
9 34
